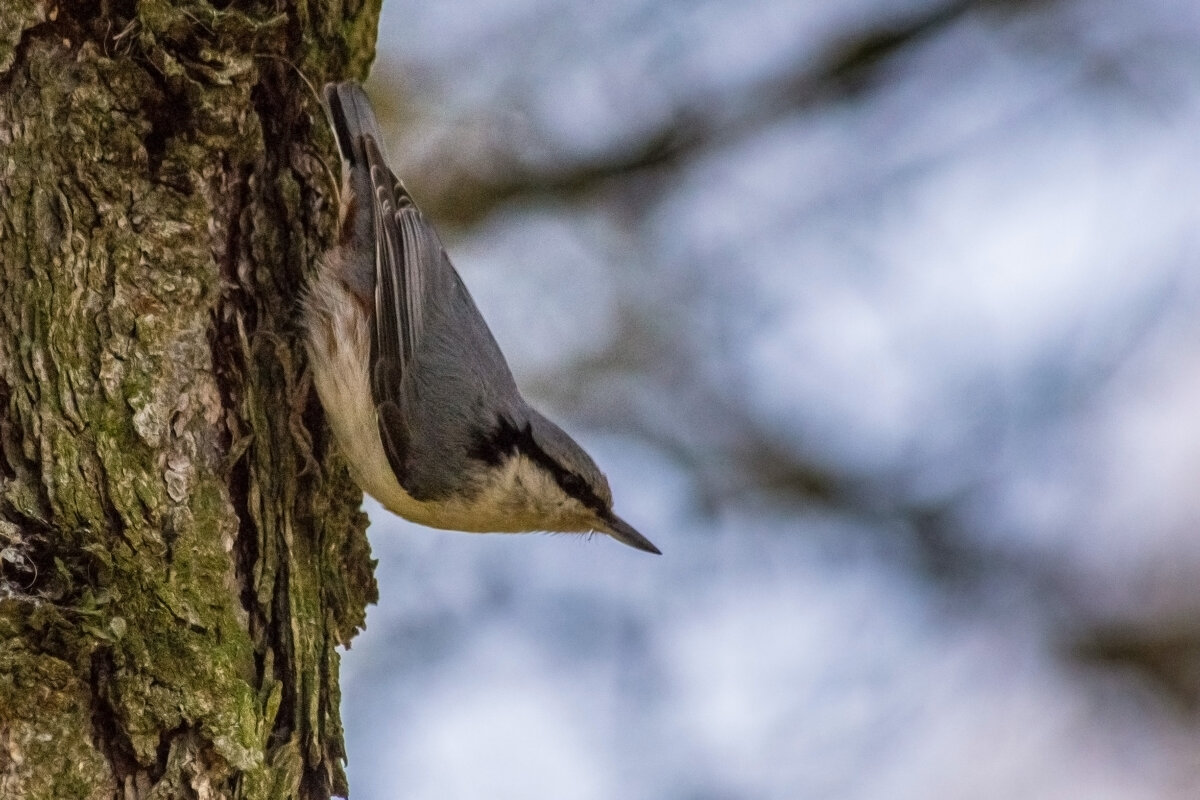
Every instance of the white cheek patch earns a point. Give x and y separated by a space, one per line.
534 498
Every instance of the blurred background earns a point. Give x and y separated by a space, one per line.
883 318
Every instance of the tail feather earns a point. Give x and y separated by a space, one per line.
351 117
353 123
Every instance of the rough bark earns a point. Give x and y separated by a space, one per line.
179 554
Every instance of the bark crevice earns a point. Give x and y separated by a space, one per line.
171 563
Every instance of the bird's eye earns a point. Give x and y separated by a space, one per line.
573 485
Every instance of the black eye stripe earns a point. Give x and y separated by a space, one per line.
506 439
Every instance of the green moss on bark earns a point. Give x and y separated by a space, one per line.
45 750
181 567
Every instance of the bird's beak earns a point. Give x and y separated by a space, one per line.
624 533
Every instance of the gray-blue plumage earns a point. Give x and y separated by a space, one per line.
459 439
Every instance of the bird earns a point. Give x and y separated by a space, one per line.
419 397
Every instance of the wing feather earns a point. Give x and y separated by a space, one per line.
406 248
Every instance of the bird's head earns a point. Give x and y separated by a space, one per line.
546 481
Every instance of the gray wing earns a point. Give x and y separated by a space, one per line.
439 381
406 248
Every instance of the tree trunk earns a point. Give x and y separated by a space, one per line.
178 557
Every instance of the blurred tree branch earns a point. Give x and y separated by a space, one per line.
1165 656
463 192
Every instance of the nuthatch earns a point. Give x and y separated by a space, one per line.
416 390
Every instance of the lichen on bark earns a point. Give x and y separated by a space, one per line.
179 555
